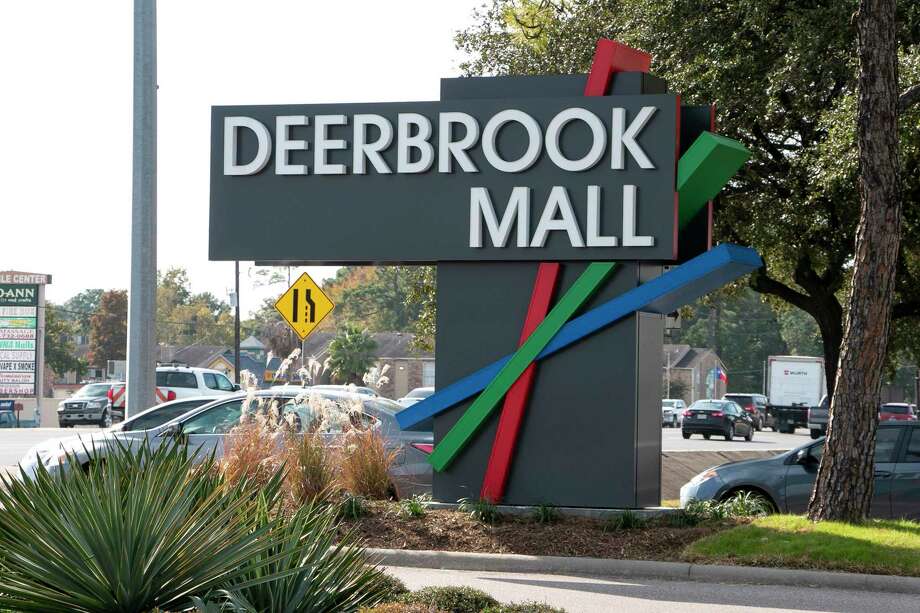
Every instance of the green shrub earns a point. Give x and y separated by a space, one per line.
415 507
627 520
545 514
747 504
141 530
452 599
395 588
307 569
352 507
480 509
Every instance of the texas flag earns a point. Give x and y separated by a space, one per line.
721 375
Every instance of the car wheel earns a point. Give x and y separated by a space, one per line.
815 434
674 424
750 435
686 435
759 424
706 436
730 435
106 420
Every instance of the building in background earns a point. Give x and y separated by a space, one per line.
691 373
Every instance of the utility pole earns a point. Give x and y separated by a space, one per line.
141 375
236 322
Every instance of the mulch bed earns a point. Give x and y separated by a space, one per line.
445 530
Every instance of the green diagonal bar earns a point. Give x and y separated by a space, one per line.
449 446
703 169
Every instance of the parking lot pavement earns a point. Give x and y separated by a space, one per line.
590 594
14 442
765 440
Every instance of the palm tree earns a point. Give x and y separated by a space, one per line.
351 354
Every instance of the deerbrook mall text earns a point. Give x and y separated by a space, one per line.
416 154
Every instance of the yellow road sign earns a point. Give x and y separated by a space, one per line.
304 305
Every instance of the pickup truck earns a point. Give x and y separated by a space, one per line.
177 381
817 418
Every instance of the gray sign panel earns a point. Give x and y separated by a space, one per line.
593 180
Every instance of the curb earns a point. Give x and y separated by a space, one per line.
675 571
588 512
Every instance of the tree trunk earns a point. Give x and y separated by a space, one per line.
830 322
845 482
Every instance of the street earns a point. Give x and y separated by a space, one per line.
15 442
591 594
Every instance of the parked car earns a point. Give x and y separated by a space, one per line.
756 406
346 389
7 419
786 481
88 405
416 395
672 410
818 417
159 414
897 411
176 381
721 417
204 430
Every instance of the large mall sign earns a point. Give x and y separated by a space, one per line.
567 216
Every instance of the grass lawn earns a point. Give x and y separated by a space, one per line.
878 546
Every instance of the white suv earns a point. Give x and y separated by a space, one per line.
178 381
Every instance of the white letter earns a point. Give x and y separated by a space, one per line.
595 238
629 221
322 143
371 151
619 138
419 141
598 137
481 207
558 200
230 146
534 136
283 144
448 148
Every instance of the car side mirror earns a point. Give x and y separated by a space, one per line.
173 431
236 387
802 456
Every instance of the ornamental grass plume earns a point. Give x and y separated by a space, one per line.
366 464
311 468
252 453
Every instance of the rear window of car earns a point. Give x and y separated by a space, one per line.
419 392
708 406
175 378
742 400
667 403
897 409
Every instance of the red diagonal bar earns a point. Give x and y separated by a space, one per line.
610 57
515 404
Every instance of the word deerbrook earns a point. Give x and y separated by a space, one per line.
558 176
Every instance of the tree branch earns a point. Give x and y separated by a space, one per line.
761 282
909 97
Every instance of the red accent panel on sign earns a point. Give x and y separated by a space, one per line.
515 404
610 57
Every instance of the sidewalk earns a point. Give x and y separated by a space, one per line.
672 571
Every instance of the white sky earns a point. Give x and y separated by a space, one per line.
65 104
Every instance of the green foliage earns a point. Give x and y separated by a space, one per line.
79 308
308 569
480 509
741 504
185 318
453 599
109 329
60 351
394 587
746 504
545 514
351 354
627 520
783 78
138 531
422 295
416 506
524 607
352 506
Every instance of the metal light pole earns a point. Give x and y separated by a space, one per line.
236 322
141 376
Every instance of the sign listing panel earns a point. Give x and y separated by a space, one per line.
19 306
17 333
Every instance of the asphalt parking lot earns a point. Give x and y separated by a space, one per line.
15 442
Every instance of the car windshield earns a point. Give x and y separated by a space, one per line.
707 405
897 409
93 390
667 404
420 392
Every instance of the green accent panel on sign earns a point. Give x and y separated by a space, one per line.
704 169
448 447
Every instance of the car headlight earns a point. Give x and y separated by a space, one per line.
705 475
96 404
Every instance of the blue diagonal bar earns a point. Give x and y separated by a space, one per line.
665 294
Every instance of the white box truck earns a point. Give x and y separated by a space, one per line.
794 384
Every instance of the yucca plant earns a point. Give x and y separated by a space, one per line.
307 569
142 529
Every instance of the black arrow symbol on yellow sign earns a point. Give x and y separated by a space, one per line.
310 307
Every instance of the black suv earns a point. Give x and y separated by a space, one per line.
754 405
